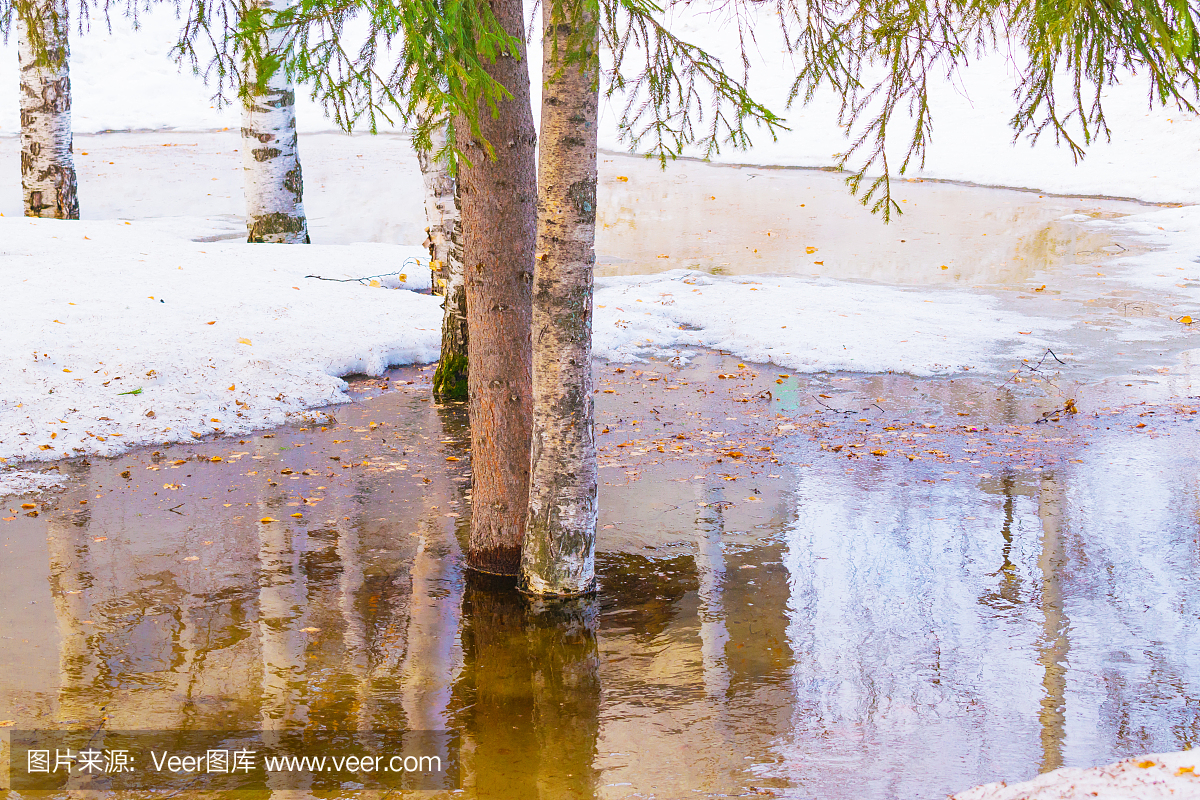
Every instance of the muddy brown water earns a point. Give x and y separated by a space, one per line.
781 611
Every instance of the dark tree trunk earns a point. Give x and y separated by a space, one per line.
498 199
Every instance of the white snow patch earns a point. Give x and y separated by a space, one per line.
20 482
1163 775
811 325
97 310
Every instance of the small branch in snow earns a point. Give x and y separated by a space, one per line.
410 261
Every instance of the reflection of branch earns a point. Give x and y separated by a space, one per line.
848 410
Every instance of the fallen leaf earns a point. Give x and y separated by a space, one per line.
214 322
310 630
244 340
297 514
265 520
99 538
8 723
192 558
1186 320
232 386
28 505
452 458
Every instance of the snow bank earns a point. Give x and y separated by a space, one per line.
811 325
122 334
1164 775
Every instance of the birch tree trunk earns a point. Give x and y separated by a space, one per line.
274 185
47 169
500 225
442 211
558 556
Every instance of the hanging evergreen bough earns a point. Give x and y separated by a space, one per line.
48 181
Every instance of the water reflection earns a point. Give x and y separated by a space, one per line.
748 220
529 697
891 630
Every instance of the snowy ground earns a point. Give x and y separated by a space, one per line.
1151 777
121 334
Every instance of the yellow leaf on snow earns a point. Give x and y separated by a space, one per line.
1186 320
265 520
244 340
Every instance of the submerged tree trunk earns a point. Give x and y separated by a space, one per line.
274 185
442 211
47 168
500 230
558 557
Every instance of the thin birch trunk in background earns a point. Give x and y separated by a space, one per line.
558 556
443 213
274 184
47 169
499 220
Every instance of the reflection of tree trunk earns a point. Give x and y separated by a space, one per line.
1053 651
531 688
710 568
68 586
282 598
433 657
565 675
354 629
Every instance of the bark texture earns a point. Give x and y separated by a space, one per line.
442 211
47 168
558 556
274 184
500 229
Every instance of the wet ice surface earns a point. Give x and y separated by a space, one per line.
800 620
1057 264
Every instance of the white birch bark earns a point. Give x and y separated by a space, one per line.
441 208
444 216
274 185
48 182
558 552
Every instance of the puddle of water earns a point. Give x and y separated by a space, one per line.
754 220
794 621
